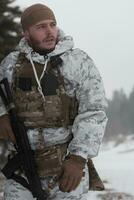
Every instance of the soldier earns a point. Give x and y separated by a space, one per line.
59 94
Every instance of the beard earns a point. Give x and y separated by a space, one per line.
36 46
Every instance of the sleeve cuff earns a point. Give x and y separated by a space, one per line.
82 154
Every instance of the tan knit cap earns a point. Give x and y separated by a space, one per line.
35 14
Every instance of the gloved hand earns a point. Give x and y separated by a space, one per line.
72 173
5 128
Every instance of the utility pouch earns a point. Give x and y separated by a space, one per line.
49 160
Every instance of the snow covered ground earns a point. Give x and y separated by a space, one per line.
116 168
115 165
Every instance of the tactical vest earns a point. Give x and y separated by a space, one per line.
57 110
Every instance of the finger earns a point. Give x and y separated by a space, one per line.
63 182
76 183
70 183
61 178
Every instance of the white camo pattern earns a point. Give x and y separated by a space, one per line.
81 79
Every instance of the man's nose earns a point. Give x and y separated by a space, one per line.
49 29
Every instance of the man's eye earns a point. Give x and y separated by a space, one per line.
53 24
40 27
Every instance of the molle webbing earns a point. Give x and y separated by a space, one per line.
57 110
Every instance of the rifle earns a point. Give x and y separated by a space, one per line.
24 159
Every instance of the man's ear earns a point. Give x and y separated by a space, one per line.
26 35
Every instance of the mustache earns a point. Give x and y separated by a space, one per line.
49 38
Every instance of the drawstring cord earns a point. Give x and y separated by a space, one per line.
38 80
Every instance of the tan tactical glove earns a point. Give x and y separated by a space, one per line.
6 132
72 173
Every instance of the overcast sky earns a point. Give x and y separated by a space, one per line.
105 30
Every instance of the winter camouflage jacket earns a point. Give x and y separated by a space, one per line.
81 79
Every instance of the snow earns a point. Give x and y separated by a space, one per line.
115 165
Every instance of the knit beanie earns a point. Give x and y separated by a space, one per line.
35 14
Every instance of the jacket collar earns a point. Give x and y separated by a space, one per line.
65 43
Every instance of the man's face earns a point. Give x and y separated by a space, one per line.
42 36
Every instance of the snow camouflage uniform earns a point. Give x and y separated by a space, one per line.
81 78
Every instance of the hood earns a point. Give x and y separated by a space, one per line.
64 44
